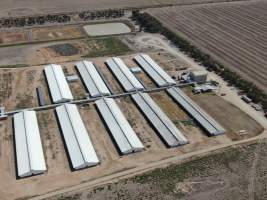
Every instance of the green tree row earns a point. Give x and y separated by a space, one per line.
150 24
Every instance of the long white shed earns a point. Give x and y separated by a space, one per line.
92 79
203 118
123 134
29 150
58 86
80 148
124 75
159 120
160 77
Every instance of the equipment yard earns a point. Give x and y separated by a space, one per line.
92 110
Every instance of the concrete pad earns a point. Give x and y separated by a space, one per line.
106 29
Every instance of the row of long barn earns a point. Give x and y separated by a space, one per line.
29 152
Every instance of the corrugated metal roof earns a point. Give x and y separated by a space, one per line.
154 70
122 132
164 126
57 83
29 151
92 80
206 121
124 75
79 145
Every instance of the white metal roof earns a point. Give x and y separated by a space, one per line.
77 140
124 75
57 83
159 120
205 120
29 151
122 132
92 80
154 70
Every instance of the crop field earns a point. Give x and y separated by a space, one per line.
30 7
233 33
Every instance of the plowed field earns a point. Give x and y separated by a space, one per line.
233 33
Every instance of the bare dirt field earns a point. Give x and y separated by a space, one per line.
235 173
56 33
30 7
30 35
233 33
60 51
59 174
231 118
10 37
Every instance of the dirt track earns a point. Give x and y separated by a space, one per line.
140 170
234 33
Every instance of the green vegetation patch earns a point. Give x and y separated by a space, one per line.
106 46
64 49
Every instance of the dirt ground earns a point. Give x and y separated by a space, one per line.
231 118
59 174
56 33
10 37
60 51
29 35
235 173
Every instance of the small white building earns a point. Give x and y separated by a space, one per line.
199 76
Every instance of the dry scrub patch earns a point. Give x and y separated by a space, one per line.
56 33
221 175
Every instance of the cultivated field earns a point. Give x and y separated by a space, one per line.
30 7
233 33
